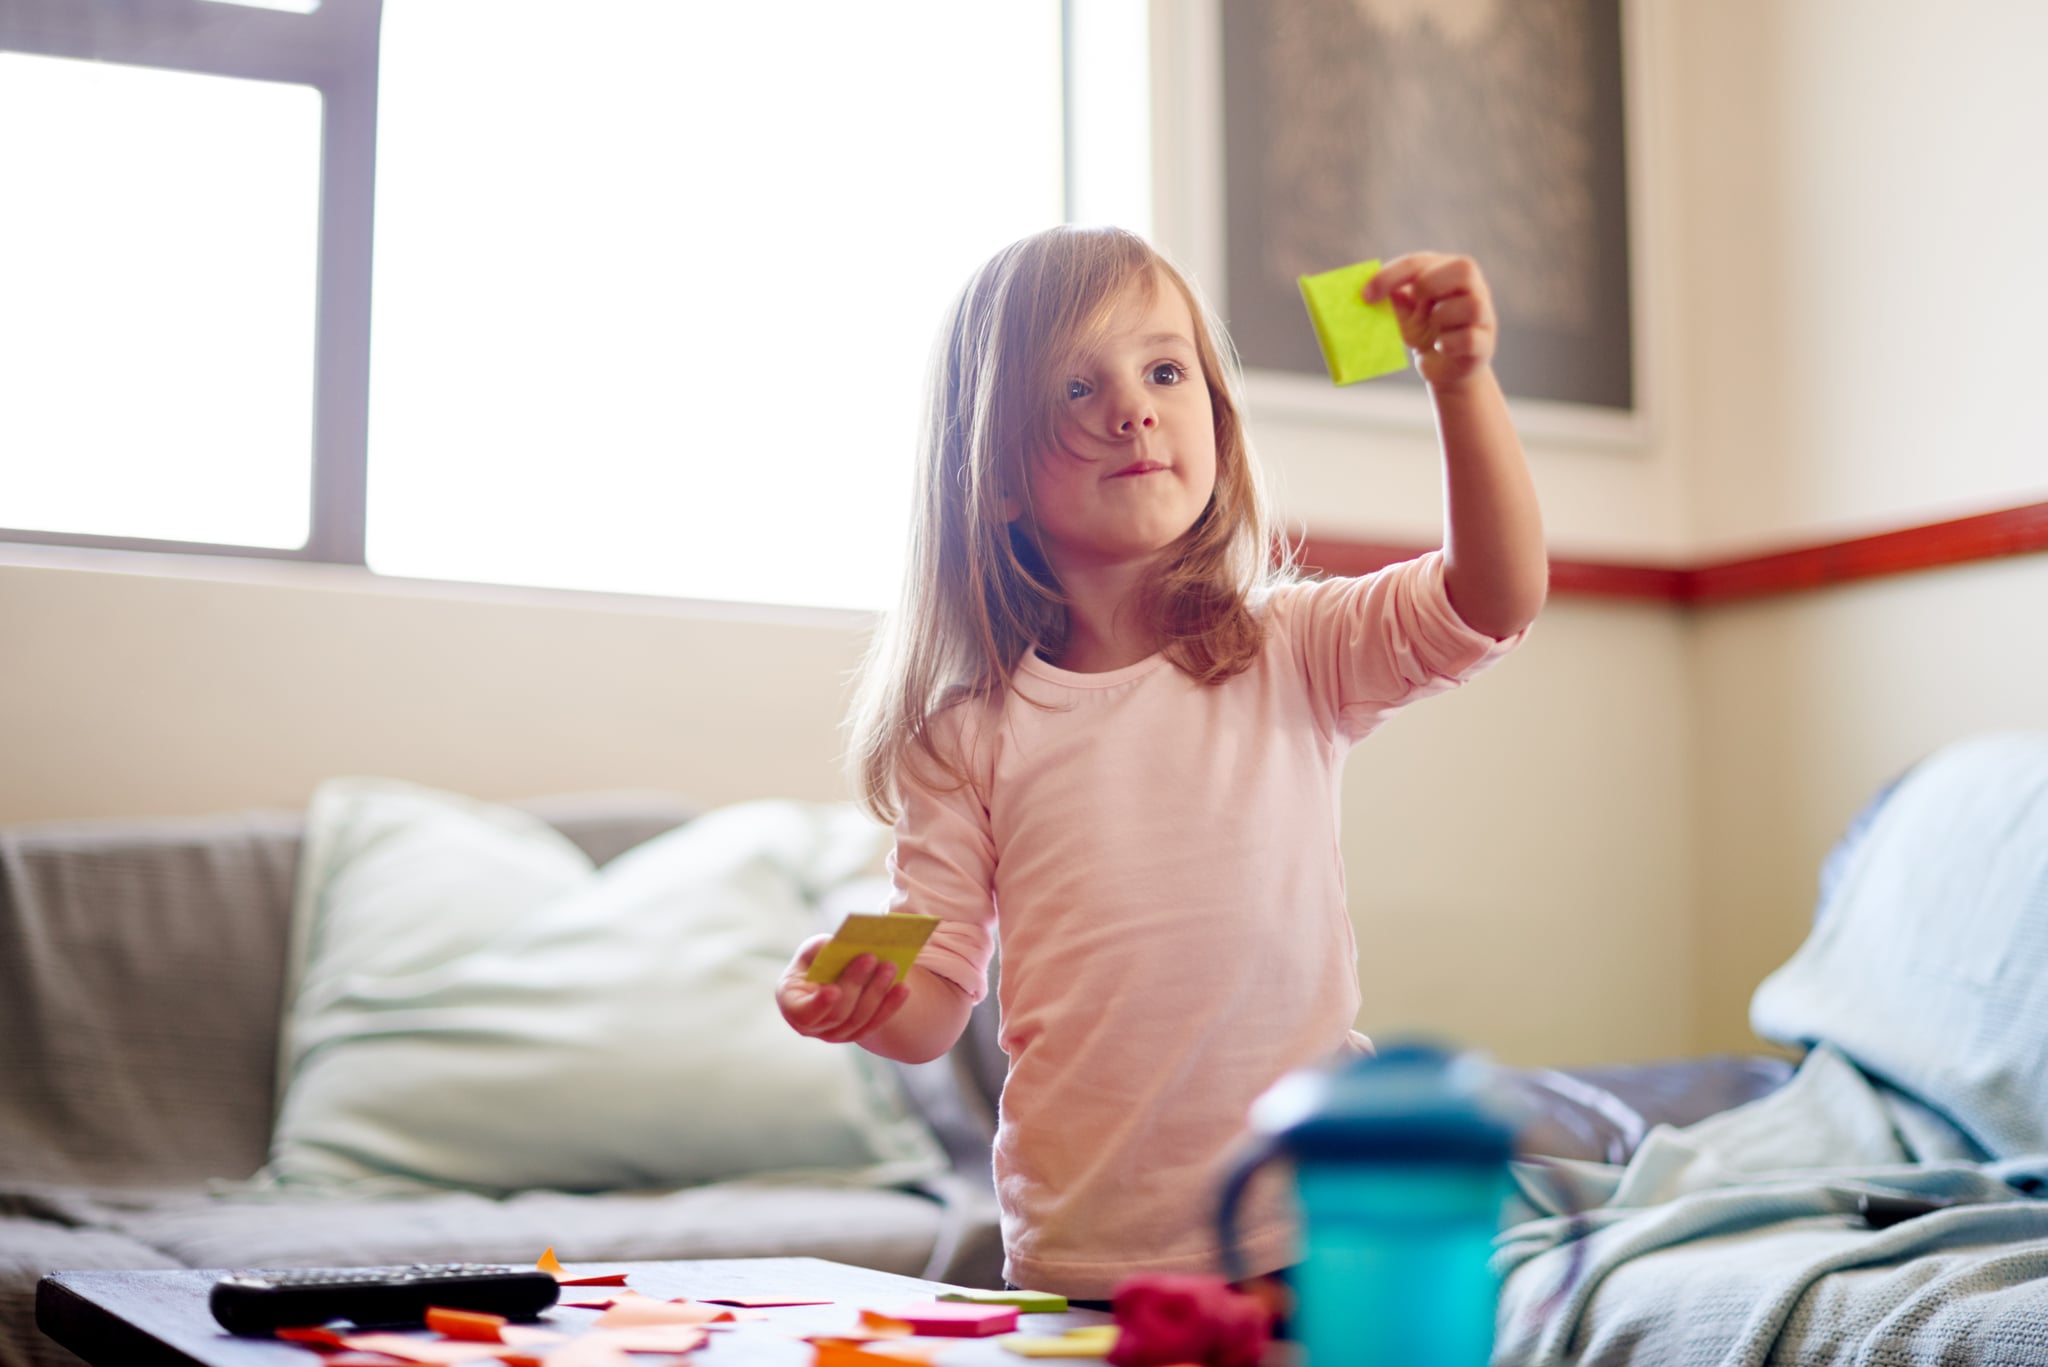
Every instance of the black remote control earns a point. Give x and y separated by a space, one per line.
258 1302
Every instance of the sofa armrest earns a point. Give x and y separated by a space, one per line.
1602 1114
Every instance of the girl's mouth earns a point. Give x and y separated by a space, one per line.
1139 467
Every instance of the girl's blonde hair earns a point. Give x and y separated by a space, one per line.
977 591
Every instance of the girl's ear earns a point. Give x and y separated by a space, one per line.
1012 509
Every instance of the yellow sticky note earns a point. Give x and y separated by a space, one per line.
1093 1341
1359 340
894 937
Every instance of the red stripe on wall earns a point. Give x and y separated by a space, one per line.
1985 536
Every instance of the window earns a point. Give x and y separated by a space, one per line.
654 284
156 359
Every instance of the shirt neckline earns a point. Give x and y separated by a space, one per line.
1067 678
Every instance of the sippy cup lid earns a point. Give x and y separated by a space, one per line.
1411 1102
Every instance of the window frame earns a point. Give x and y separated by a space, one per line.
334 49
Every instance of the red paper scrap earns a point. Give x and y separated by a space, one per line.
762 1302
312 1336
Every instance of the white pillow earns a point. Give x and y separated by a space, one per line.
470 1003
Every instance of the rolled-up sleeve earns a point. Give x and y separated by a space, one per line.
1371 645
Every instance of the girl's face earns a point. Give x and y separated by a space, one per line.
1135 460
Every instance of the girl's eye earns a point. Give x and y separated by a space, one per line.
1078 389
1168 373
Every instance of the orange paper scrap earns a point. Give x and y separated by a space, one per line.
471 1326
870 1353
552 1265
876 1325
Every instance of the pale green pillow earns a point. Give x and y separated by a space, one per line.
470 1003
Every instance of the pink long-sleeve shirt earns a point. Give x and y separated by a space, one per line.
1160 859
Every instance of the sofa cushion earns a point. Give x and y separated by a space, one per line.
141 970
473 1005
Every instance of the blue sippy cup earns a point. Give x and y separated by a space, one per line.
1401 1172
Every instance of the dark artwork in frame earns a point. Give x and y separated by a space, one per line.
1493 128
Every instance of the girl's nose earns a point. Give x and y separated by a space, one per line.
1134 413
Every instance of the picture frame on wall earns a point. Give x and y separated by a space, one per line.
1357 129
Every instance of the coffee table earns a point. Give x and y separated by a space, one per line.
160 1319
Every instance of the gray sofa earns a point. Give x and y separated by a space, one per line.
141 978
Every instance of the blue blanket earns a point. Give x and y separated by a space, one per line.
1922 995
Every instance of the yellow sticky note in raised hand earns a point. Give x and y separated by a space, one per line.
894 937
1359 340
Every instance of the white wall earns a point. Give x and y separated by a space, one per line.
1862 218
1863 213
1807 706
138 693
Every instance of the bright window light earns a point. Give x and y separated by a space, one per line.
1109 105
656 284
156 307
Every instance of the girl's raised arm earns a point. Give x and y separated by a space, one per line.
1495 568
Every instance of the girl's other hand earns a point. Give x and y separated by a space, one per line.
865 997
1445 311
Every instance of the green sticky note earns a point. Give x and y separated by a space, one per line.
892 936
1359 340
1027 1302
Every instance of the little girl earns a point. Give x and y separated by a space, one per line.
1109 729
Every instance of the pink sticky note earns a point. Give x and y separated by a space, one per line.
959 1320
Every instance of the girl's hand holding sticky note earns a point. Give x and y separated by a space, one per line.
1359 340
841 987
1370 318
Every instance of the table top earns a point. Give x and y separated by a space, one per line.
160 1318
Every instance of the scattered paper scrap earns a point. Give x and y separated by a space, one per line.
632 1308
849 1353
470 1326
1359 340
1027 1302
656 1338
1090 1341
952 1319
552 1265
410 1349
763 1302
894 937
880 1352
312 1336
